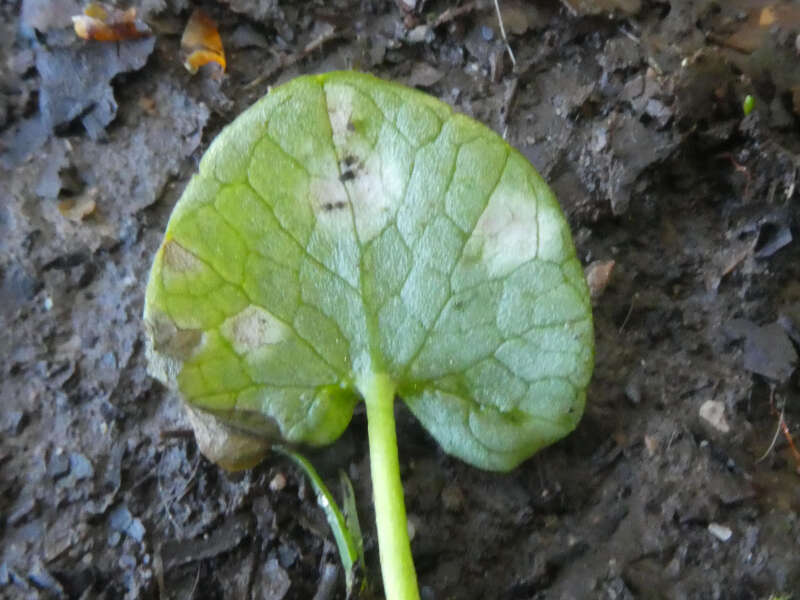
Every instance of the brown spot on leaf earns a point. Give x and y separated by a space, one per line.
168 347
331 206
177 258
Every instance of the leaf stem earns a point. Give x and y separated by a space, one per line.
397 566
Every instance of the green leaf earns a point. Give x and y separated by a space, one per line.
344 524
344 227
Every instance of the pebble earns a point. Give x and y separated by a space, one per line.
598 274
136 530
452 498
80 466
21 510
287 556
58 465
419 34
721 532
15 422
120 518
713 413
278 482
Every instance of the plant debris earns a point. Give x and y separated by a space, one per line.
104 23
201 43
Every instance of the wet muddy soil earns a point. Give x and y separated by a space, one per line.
680 482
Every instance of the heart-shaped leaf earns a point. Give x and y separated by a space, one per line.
344 227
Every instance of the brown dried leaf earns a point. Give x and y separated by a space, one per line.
598 274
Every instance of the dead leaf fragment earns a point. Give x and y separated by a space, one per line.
201 43
596 7
77 210
751 34
598 274
103 23
424 75
767 349
230 449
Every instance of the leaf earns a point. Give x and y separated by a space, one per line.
344 525
344 227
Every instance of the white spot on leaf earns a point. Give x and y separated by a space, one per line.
253 328
506 231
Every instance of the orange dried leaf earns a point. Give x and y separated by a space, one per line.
103 23
201 43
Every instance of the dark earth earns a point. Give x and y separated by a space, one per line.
680 482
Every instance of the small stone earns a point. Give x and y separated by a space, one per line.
487 33
114 539
287 555
411 528
713 413
136 530
633 391
80 466
452 498
275 581
651 444
120 518
127 562
5 578
598 274
15 422
58 539
42 579
278 482
23 508
419 34
58 465
721 532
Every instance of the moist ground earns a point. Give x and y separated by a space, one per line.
675 484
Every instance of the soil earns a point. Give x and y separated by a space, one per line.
678 483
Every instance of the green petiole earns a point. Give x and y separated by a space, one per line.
397 566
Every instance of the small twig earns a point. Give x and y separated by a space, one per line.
503 33
162 495
194 587
774 438
286 61
454 13
739 168
783 428
630 311
508 100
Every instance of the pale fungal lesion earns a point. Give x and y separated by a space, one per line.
506 232
167 347
179 259
372 186
253 328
